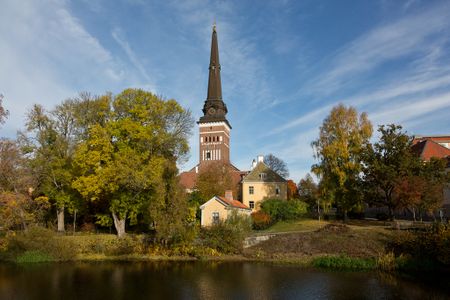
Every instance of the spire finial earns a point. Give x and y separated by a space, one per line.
214 25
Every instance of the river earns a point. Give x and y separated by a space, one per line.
206 280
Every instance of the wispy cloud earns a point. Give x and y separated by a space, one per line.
388 42
47 56
120 38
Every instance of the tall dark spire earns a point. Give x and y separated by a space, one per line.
214 82
214 109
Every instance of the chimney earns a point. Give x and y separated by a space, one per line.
229 195
260 158
253 164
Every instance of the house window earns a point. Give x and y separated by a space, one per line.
208 155
215 217
251 190
277 190
262 176
251 204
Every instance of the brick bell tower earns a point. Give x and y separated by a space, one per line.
213 125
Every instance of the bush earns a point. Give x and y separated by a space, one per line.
227 237
261 220
33 256
42 240
280 210
426 248
344 263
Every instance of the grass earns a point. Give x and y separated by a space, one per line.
343 262
34 256
303 225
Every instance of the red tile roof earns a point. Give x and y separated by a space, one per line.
234 203
188 179
428 148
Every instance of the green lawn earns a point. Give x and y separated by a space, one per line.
303 225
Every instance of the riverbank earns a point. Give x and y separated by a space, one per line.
356 246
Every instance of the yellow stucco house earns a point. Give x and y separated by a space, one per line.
262 183
218 209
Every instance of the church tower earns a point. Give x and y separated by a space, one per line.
213 125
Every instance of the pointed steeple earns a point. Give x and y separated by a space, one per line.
214 109
214 82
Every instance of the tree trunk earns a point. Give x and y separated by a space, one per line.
345 216
318 209
60 218
74 221
391 214
414 214
119 224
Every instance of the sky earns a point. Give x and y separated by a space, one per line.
285 63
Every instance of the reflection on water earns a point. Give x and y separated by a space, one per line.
212 280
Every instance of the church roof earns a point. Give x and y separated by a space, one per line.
270 175
214 109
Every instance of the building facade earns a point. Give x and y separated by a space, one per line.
220 208
262 183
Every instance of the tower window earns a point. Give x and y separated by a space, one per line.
251 190
201 139
220 138
208 155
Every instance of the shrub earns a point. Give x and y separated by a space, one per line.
41 240
227 237
426 248
344 263
261 220
280 210
33 256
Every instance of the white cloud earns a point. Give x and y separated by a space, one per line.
119 37
47 56
406 36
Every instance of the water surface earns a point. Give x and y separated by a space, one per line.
209 280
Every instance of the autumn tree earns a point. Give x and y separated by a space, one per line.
292 190
421 190
338 148
277 165
214 179
308 191
17 208
124 160
388 164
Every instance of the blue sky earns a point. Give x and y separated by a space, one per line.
285 64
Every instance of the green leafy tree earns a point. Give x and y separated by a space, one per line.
124 160
51 142
387 164
338 148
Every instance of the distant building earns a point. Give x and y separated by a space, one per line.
432 146
262 183
220 208
437 146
